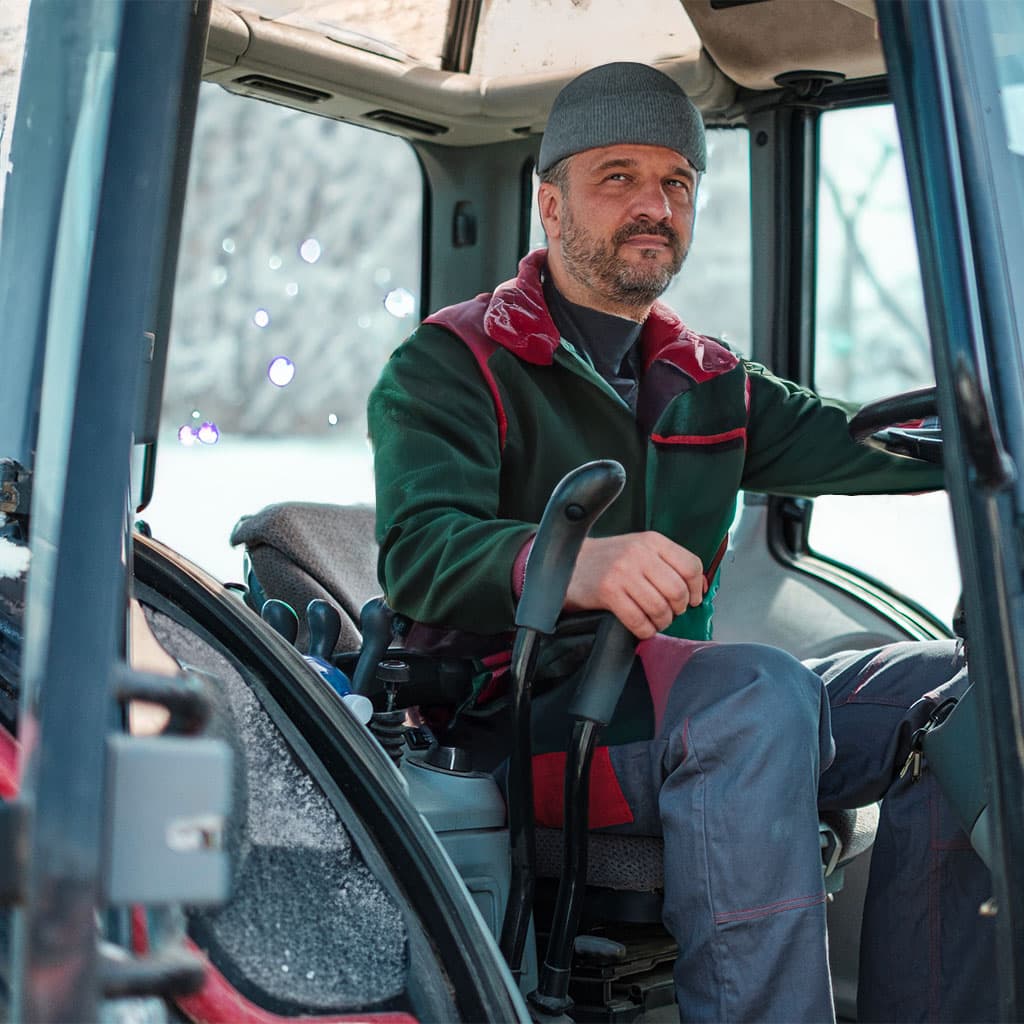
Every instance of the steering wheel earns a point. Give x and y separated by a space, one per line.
906 425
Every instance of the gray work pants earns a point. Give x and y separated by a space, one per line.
749 743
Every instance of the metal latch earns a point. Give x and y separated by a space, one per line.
15 488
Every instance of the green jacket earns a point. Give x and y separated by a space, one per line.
481 412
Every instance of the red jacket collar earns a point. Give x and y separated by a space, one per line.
516 317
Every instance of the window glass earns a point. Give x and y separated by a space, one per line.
13 26
299 272
712 291
1006 22
872 341
399 29
517 37
871 338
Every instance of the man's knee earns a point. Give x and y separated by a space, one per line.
754 689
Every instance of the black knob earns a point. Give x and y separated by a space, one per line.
393 673
375 623
282 618
324 621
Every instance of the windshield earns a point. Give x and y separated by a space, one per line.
1007 24
13 22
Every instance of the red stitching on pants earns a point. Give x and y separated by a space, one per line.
796 903
934 916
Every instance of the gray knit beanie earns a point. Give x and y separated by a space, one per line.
622 103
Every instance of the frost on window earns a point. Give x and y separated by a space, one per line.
308 928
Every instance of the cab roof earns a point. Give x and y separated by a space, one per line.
468 72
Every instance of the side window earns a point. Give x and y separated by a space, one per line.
299 272
871 341
712 291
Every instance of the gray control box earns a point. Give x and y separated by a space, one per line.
168 801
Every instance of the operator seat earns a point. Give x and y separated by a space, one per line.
298 551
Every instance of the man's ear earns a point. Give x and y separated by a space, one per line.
549 206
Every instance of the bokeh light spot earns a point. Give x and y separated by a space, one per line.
196 414
310 250
186 435
281 371
219 276
274 263
208 433
332 418
382 276
228 245
261 318
399 302
291 289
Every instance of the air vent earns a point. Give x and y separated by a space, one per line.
807 85
398 120
286 90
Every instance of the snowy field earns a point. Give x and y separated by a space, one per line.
202 491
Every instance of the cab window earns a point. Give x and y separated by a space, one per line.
299 272
871 340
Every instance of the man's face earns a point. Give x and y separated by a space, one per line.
622 227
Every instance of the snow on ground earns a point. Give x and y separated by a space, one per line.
904 540
13 559
202 491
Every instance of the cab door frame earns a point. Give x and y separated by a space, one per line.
966 193
105 152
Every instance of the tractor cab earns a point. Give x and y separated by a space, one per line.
235 785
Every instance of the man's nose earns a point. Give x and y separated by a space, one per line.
651 201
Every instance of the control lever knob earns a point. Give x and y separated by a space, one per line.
376 621
324 621
282 618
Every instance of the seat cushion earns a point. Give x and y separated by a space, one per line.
636 863
633 863
302 550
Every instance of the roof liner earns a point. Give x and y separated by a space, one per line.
746 46
754 44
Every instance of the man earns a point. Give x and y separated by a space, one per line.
725 750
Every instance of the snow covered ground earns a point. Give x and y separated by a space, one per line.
201 491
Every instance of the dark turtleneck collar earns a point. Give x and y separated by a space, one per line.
608 341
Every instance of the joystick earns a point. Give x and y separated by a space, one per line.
376 622
282 618
324 623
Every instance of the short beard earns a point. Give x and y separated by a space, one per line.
598 265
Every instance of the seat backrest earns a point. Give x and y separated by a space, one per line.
303 550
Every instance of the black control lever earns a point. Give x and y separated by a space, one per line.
376 623
281 617
324 622
604 677
608 665
573 508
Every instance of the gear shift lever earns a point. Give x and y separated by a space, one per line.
324 623
282 618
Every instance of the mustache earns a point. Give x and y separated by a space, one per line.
628 231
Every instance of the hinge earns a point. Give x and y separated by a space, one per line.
15 488
14 817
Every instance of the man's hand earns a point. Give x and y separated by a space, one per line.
644 579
